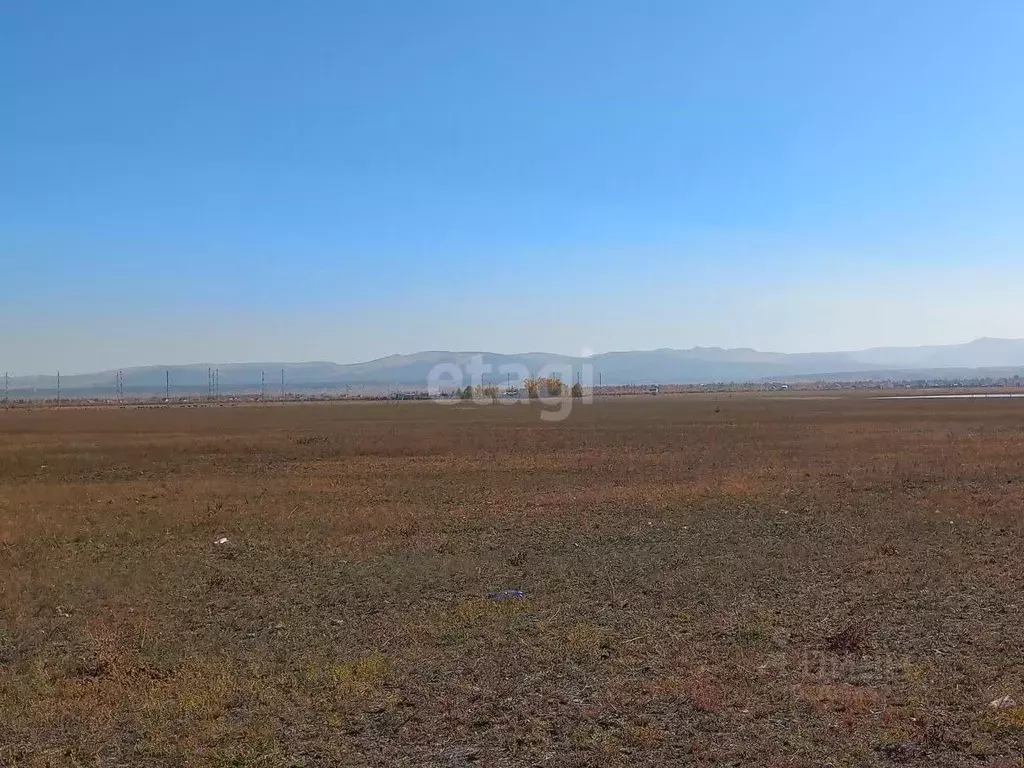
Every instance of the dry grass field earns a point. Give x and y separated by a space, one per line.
747 581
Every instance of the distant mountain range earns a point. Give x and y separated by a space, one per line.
982 357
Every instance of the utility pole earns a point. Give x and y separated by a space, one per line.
263 385
7 387
167 386
282 383
209 383
216 383
58 387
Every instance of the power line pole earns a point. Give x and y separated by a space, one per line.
58 387
209 383
263 385
7 388
167 386
282 383
216 383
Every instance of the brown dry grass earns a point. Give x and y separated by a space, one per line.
784 582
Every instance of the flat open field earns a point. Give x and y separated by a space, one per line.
744 581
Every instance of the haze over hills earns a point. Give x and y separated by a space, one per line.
985 356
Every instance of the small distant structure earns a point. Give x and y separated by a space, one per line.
409 396
654 389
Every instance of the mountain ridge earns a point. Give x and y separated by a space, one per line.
660 366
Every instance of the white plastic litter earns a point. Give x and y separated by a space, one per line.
1003 702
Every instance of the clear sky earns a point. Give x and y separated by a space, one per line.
252 180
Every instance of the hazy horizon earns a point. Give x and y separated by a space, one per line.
342 182
584 353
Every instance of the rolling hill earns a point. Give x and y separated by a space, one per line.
660 366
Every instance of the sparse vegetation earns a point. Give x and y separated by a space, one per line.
803 583
553 386
487 392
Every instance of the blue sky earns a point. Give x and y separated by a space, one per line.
218 181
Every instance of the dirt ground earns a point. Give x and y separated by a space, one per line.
742 580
